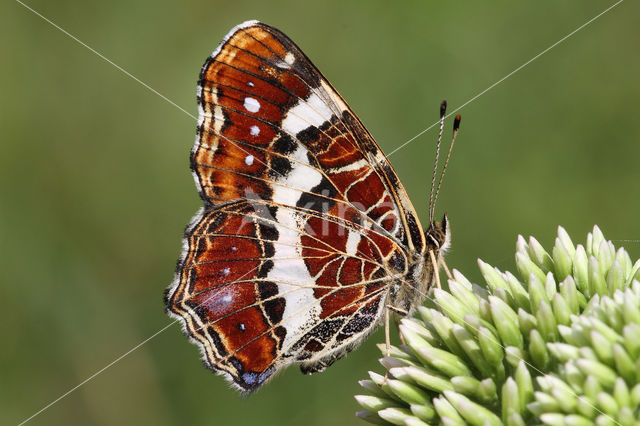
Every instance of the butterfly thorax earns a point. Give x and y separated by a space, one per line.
415 286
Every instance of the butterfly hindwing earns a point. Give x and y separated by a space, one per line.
257 293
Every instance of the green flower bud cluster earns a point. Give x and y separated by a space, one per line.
497 355
599 380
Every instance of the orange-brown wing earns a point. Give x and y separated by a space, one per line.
272 127
257 293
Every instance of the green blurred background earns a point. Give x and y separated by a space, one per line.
95 185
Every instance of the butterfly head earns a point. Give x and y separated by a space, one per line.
438 237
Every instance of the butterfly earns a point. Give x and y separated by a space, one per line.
307 239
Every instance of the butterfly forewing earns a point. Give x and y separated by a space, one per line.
305 226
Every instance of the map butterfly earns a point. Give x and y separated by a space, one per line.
307 239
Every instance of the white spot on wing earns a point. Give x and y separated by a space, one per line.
312 112
301 178
220 302
248 160
251 104
289 58
226 271
352 242
356 165
254 130
250 83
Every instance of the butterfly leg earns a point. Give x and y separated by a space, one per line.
403 313
436 268
399 334
446 268
387 328
397 310
387 338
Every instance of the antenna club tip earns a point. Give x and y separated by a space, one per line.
443 108
456 122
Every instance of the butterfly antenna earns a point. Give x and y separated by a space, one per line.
443 111
456 126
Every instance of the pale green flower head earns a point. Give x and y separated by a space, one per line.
557 343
